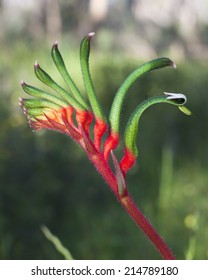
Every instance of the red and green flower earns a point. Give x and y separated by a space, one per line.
67 111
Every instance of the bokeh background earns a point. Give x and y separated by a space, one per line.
45 179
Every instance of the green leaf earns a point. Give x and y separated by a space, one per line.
57 243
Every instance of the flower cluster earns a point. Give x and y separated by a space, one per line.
67 111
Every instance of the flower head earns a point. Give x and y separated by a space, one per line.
59 110
66 111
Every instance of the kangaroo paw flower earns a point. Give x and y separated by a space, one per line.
66 111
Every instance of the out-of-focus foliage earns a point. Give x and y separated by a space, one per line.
177 28
46 179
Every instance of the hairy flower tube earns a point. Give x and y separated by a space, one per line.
67 111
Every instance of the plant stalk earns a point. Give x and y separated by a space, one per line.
146 227
130 207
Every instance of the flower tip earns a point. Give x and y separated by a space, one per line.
91 34
20 101
178 98
36 65
22 83
25 111
55 45
32 125
174 65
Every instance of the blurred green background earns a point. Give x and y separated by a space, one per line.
45 179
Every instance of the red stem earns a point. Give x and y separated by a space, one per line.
130 207
100 161
63 122
147 228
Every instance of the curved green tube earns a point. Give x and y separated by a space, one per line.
40 103
47 80
121 93
84 62
35 92
132 125
60 65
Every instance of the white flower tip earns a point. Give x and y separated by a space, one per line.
21 101
178 97
56 44
36 64
91 34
